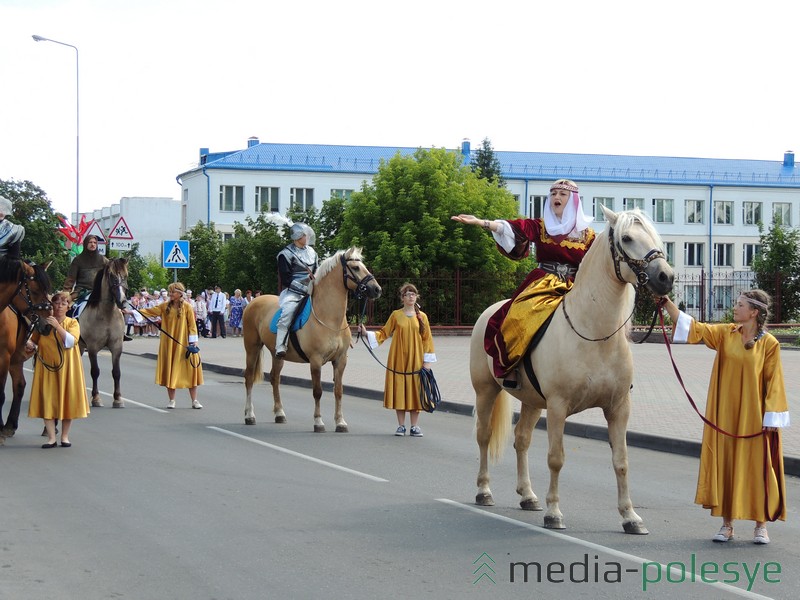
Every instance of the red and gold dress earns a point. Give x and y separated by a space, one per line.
510 329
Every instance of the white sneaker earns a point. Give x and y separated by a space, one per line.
196 404
171 404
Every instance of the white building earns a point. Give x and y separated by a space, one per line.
150 220
707 210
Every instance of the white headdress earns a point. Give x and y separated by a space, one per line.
573 222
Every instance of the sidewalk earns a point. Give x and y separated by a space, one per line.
661 419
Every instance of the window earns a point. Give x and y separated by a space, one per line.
782 213
749 252
231 198
693 254
536 207
723 297
723 255
669 250
301 198
751 213
694 211
267 199
662 210
226 237
692 293
723 212
597 202
341 194
631 203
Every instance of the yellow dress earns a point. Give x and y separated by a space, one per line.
406 354
173 369
59 393
744 385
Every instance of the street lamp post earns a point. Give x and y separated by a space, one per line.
39 38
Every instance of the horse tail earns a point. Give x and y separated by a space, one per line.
500 424
258 373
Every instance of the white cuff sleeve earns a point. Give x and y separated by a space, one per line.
505 236
429 358
69 340
193 339
777 419
372 339
681 329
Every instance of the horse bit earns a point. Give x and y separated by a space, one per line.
30 312
636 265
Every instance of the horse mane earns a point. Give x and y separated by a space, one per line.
327 265
97 287
628 218
10 267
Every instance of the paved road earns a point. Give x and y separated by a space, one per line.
662 418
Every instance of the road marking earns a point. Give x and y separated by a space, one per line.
324 463
596 547
161 410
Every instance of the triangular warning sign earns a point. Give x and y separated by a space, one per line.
176 256
94 229
120 231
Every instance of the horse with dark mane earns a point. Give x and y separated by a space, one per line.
103 325
24 306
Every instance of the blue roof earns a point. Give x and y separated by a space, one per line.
520 165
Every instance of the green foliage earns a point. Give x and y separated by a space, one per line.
776 269
402 219
206 265
249 259
42 242
137 267
486 165
153 276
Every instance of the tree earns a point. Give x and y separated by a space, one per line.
154 276
486 165
206 265
776 268
250 258
42 240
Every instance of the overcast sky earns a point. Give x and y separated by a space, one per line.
159 79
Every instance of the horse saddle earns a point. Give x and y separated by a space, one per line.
300 317
79 304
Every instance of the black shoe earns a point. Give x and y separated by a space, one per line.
126 338
53 445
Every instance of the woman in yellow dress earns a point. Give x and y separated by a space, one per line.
741 478
59 389
411 349
174 369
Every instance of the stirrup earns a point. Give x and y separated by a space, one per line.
512 384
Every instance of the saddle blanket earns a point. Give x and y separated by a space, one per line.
298 322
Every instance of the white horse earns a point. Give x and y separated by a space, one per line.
582 361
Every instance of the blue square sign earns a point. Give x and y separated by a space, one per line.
175 254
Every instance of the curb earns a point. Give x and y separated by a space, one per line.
791 465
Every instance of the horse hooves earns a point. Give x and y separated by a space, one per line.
635 528
342 429
530 505
551 522
319 428
250 421
484 499
97 403
119 404
279 419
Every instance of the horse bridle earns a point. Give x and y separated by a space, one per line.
349 274
637 265
30 313
116 282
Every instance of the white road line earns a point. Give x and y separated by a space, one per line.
598 548
324 463
127 401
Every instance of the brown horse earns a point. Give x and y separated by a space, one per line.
324 338
24 306
102 323
582 361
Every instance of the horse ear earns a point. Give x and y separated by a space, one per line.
611 216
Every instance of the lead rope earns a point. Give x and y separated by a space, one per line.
192 352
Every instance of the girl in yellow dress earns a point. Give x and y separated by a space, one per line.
59 389
173 369
412 348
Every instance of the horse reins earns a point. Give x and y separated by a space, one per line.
191 351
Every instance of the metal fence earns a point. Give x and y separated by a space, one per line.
457 298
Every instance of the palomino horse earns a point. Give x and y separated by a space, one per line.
582 361
324 338
102 323
24 306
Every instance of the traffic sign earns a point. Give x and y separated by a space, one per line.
120 231
120 244
175 254
94 229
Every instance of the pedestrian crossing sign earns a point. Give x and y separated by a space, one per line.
175 254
